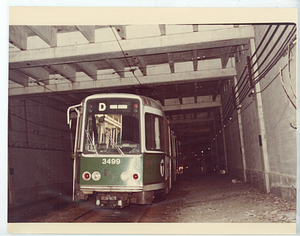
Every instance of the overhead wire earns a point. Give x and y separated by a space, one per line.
263 50
289 72
284 88
276 57
261 41
42 135
242 82
125 55
246 88
35 123
271 50
256 50
266 45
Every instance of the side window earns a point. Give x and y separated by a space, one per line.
157 133
154 132
79 132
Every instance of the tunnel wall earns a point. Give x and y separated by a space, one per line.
280 115
231 136
267 133
39 152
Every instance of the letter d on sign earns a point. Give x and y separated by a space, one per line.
102 106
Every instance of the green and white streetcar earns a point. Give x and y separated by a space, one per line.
124 150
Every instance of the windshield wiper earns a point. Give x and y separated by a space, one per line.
115 145
91 141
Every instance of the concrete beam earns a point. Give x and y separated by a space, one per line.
195 60
121 29
134 47
194 120
192 106
191 131
18 36
66 71
162 29
178 93
89 69
195 28
38 73
142 65
225 54
46 33
18 77
205 75
88 31
117 66
171 62
216 92
195 92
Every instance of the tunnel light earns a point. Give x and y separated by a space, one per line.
251 93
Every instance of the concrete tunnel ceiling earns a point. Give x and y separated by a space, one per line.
182 66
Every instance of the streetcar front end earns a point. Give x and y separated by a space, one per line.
122 151
109 162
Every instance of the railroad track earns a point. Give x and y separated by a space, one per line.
130 214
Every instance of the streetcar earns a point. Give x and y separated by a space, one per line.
124 150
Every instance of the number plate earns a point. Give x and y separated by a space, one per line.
111 161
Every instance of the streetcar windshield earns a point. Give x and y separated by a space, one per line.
112 133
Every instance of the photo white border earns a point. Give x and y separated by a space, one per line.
241 12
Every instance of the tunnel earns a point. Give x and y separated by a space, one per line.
227 90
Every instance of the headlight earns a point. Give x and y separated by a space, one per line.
96 176
124 176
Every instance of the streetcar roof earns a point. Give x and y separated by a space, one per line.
145 100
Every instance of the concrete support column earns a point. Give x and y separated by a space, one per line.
261 124
224 141
240 127
211 146
216 143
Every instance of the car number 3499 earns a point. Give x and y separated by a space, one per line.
111 161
